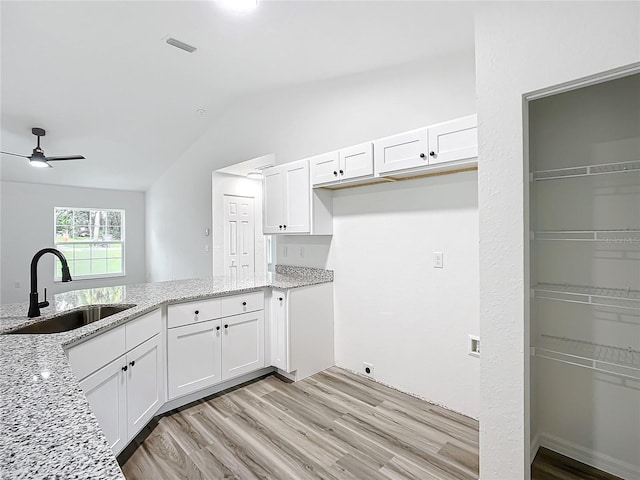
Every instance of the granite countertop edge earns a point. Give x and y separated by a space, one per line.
47 426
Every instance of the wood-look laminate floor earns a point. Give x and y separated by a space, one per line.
334 425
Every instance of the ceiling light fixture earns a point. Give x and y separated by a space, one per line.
181 45
255 175
238 6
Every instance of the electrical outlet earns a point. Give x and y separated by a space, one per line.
474 345
367 369
438 260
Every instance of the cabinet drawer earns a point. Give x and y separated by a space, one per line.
192 312
142 328
96 352
247 302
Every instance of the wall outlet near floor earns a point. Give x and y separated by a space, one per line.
474 345
367 369
438 260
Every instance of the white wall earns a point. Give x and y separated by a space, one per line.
222 185
392 307
294 123
26 216
522 47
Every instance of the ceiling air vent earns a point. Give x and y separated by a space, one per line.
181 45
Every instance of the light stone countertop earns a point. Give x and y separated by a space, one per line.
47 429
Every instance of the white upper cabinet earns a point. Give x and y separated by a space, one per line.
344 165
445 146
400 152
290 205
297 197
324 168
453 141
273 193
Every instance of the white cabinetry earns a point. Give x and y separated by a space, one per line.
213 340
290 205
301 330
242 344
344 166
125 388
445 146
194 356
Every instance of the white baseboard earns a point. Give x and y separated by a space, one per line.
192 397
585 455
535 446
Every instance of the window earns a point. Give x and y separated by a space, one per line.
92 240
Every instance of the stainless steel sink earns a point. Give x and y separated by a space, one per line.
73 319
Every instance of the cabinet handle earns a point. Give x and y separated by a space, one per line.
433 154
132 363
218 327
335 174
197 312
284 226
124 369
226 326
422 155
280 298
244 304
280 227
341 172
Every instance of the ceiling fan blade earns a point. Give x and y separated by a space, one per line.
69 157
15 154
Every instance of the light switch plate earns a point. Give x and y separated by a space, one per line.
438 260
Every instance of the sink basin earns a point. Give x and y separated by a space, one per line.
73 319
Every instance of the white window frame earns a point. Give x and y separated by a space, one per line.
57 278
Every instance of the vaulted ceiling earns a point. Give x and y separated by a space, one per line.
98 76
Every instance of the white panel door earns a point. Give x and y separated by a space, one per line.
239 237
399 152
107 394
297 197
273 200
242 344
454 140
144 384
324 168
194 357
279 331
356 161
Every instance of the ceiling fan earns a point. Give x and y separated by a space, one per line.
37 158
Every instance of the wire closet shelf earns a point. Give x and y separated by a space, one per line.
600 296
624 362
586 170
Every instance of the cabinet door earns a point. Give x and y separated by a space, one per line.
324 168
242 344
454 140
356 161
144 384
279 331
273 200
399 152
107 394
297 197
194 357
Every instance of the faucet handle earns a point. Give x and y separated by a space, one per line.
44 303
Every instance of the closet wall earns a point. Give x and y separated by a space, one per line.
585 274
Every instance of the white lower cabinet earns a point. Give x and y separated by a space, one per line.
144 384
301 330
194 357
107 394
125 394
242 344
209 351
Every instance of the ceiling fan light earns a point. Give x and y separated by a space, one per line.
39 162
